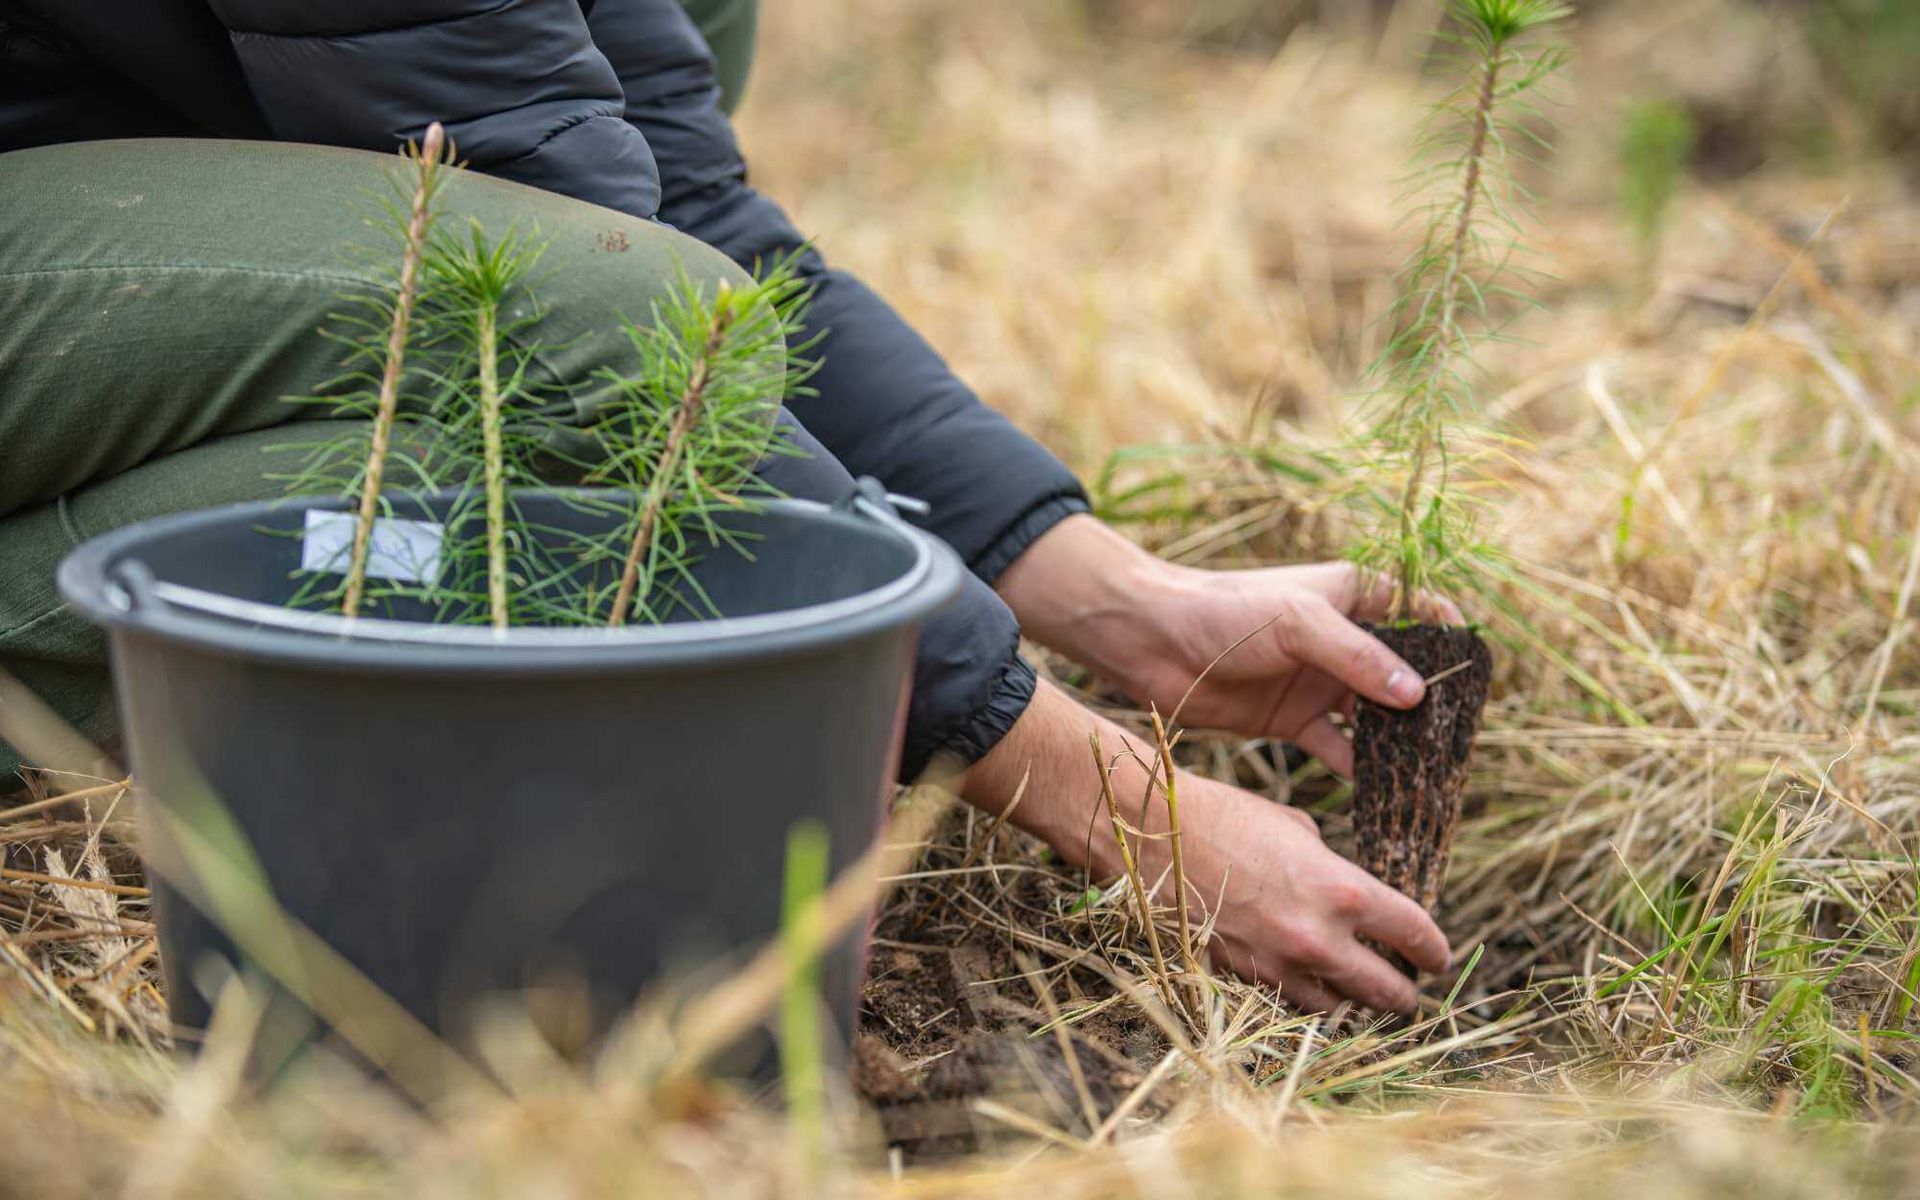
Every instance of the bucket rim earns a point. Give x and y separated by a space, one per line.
91 579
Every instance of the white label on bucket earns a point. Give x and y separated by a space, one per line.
400 549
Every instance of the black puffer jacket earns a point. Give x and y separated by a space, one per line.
611 101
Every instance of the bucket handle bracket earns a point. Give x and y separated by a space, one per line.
870 498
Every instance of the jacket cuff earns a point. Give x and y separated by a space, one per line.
964 738
970 741
1049 511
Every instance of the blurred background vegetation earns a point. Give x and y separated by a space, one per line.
1125 218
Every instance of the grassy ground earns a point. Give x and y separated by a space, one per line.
1686 884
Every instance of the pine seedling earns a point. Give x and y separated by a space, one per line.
1418 529
475 281
427 160
684 434
464 416
1410 766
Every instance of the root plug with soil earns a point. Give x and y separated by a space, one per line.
1410 766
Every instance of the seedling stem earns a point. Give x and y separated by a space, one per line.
426 161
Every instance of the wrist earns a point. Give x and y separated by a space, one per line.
1041 775
1031 766
1088 592
1047 762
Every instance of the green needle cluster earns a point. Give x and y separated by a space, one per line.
441 364
1418 527
685 432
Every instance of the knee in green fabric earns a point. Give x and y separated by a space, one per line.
169 292
48 647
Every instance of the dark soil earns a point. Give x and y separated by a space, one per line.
1410 768
946 1019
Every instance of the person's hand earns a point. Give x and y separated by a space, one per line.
1154 628
1293 912
1306 657
1289 910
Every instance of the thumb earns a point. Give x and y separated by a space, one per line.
1325 638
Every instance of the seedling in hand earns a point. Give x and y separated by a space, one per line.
1410 767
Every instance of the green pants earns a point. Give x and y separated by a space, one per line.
159 302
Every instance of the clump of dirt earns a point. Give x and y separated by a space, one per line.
910 1002
952 1018
1410 767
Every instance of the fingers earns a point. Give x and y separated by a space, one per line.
1300 817
1322 739
1306 993
1368 595
1325 638
1298 984
1430 607
1372 595
1394 920
1363 976
1379 913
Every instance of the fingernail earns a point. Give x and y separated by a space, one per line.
1405 687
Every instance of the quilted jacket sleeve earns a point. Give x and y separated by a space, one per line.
887 406
520 86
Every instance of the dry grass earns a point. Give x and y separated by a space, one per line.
1688 860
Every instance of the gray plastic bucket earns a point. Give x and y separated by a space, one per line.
461 813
